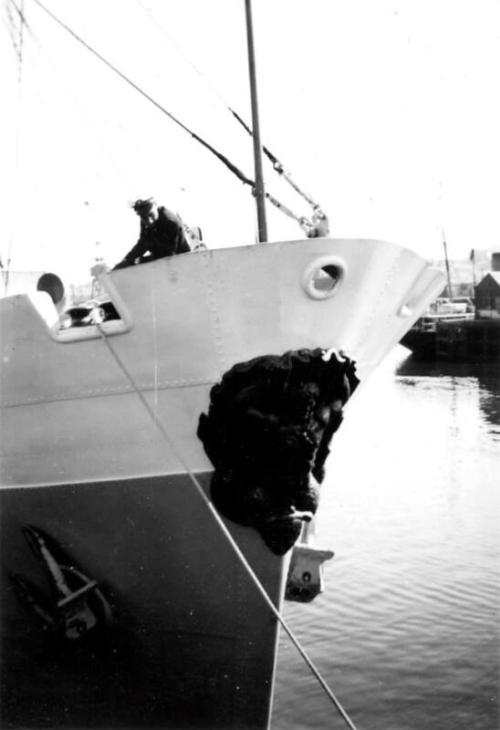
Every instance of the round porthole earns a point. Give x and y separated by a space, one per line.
322 278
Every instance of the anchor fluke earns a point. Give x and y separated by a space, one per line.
75 606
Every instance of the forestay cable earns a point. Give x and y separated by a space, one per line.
225 531
72 97
276 163
147 96
19 48
306 225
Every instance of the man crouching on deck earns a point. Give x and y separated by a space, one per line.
161 235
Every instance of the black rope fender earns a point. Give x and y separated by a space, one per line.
267 433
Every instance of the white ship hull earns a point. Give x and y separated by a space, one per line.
99 438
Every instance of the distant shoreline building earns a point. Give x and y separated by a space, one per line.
487 292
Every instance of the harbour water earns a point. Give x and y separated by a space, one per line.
407 632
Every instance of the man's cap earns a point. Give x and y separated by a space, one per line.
141 204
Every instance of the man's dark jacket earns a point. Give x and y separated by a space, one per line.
163 237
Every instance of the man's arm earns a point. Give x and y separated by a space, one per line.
135 252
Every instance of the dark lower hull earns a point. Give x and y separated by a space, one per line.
422 344
456 341
191 643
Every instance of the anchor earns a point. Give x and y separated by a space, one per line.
76 605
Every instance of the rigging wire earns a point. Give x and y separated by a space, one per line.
19 49
17 42
147 96
307 225
11 26
276 163
126 182
225 531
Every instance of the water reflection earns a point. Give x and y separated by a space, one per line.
484 376
489 400
406 633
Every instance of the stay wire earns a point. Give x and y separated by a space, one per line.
225 531
19 49
18 43
147 96
235 170
125 181
276 163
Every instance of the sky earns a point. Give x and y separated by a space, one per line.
386 112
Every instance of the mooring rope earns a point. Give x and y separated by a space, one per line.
225 531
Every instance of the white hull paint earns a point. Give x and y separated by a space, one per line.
69 411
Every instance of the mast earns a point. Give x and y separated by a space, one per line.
472 258
260 195
447 264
